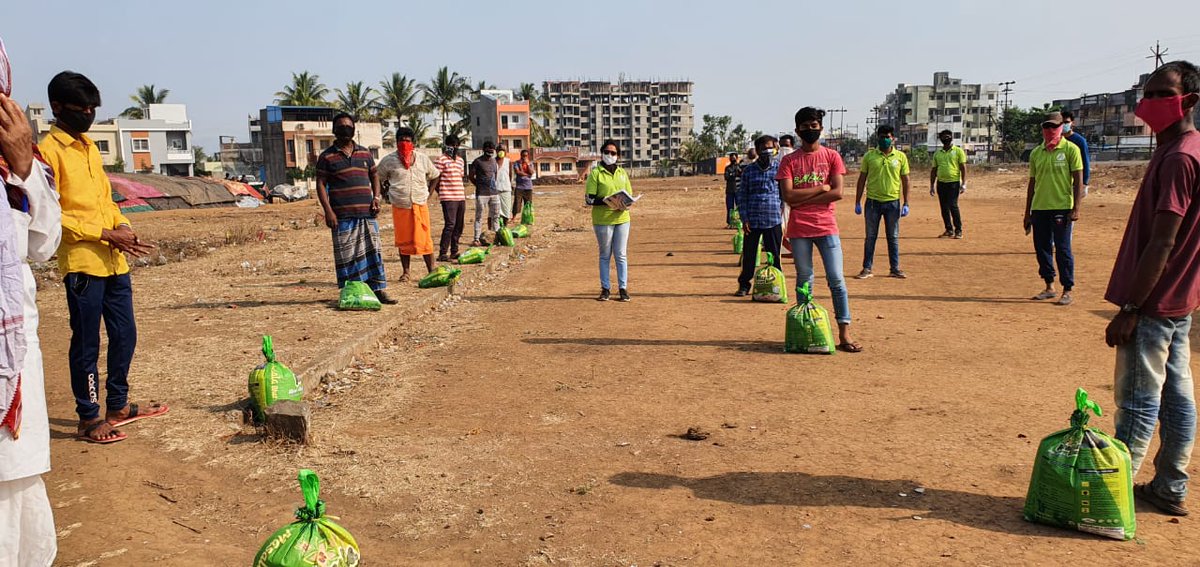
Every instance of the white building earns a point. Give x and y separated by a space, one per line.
160 143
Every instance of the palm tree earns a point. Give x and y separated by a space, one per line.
446 94
358 100
305 90
421 133
145 96
400 97
540 113
482 86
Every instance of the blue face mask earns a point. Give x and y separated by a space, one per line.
1066 128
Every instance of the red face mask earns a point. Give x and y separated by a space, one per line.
406 152
1160 113
1052 136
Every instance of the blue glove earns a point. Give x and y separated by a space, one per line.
904 211
858 208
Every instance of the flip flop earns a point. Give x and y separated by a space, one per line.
136 414
86 434
1044 296
850 347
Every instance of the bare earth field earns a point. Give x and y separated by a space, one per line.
522 423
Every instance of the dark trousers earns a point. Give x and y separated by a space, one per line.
90 299
772 240
729 204
520 197
454 213
1052 242
948 199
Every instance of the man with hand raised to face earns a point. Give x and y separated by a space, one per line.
1052 206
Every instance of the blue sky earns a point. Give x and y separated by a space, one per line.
756 61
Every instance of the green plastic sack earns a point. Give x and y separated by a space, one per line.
313 539
271 381
808 330
1082 479
442 276
735 217
357 296
474 255
758 256
527 215
504 236
769 284
739 239
520 231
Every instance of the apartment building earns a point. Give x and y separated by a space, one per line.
293 136
919 112
1107 119
650 120
497 116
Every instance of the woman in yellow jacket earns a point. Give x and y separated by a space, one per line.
610 223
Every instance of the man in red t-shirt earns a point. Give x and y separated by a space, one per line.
1156 282
810 182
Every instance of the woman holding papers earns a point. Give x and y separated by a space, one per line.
610 196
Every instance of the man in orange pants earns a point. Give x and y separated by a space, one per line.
411 176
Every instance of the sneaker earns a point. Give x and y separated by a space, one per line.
864 275
1065 299
742 292
384 298
958 235
603 295
898 274
623 295
1146 494
947 234
1046 294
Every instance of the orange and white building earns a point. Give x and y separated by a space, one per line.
497 116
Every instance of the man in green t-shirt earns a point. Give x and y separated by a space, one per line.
884 176
949 174
1052 205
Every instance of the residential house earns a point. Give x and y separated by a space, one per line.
159 143
498 117
293 136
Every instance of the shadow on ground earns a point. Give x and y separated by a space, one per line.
748 346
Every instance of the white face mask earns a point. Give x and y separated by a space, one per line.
608 160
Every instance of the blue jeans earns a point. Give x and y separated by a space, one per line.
729 205
1052 242
890 213
90 299
613 241
1154 386
830 248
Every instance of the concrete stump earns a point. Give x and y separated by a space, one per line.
288 420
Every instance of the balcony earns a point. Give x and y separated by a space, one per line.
176 155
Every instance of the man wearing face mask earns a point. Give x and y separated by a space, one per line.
1072 135
761 210
1052 206
884 176
411 175
483 174
348 189
787 144
949 173
91 258
504 182
1156 282
452 195
733 173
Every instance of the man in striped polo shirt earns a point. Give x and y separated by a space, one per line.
348 189
453 196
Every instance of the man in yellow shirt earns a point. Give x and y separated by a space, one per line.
884 177
950 175
94 237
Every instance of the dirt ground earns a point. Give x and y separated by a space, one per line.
522 423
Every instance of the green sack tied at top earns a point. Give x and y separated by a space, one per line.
271 381
504 236
313 540
474 255
527 215
357 296
739 239
808 330
520 231
442 276
1082 479
769 284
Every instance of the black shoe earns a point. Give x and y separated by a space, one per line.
742 292
603 295
443 258
958 235
384 298
624 295
1146 494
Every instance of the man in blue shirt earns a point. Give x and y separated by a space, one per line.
761 209
1077 138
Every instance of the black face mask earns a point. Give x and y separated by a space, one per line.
449 150
945 141
343 132
809 136
76 121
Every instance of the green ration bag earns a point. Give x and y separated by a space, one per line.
313 539
357 296
521 231
474 255
271 381
739 238
769 283
504 236
527 216
1082 479
735 217
442 276
808 330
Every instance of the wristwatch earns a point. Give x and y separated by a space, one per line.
1130 308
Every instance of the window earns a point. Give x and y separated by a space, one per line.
291 150
102 146
374 153
566 166
141 145
544 167
477 121
308 146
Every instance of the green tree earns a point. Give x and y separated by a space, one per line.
306 90
541 113
446 94
1019 127
853 146
118 166
423 136
142 99
358 100
919 156
199 158
401 97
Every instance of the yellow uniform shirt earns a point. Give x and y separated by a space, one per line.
603 184
1053 176
948 163
87 206
883 173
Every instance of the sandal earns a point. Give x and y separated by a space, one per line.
850 347
89 431
403 278
135 413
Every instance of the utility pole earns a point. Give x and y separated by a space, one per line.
841 123
1007 89
1156 53
991 120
